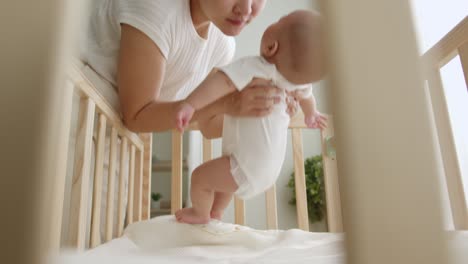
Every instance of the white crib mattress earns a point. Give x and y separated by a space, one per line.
162 240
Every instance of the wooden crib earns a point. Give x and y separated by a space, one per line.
109 127
93 105
140 151
140 146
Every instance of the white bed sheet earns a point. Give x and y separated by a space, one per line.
162 240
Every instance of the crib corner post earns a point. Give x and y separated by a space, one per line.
330 174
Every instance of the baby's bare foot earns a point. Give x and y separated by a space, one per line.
189 216
216 215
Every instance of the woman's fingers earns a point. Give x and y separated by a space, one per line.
262 112
263 88
257 99
261 103
266 92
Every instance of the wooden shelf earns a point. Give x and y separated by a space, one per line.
166 165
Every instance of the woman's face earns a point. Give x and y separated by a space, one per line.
231 16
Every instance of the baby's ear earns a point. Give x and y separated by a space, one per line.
271 49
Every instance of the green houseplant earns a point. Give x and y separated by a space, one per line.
155 197
315 188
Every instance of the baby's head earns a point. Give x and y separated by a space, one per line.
295 45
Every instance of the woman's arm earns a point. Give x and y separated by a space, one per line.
210 118
141 69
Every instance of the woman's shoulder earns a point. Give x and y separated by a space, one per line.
157 11
159 20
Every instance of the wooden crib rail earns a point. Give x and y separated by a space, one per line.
137 162
86 90
448 47
331 180
453 44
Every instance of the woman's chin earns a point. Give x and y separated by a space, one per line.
231 30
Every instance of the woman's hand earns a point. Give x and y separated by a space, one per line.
256 100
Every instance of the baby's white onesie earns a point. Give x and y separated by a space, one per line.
257 146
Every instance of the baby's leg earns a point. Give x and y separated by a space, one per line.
210 177
221 201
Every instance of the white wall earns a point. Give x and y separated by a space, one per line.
434 19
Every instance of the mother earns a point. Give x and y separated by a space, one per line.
158 51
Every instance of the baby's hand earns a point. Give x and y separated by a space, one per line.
316 120
183 116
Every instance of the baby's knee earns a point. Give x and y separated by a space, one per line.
197 180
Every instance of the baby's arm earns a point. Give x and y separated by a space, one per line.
312 117
215 86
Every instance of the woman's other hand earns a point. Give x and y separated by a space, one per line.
256 100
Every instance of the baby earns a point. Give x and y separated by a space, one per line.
292 56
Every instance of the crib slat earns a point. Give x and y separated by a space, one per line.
147 169
131 185
239 211
271 208
299 178
463 53
297 121
61 169
207 150
447 147
332 190
122 175
98 169
138 186
176 193
81 177
111 185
